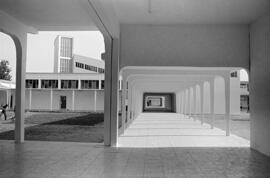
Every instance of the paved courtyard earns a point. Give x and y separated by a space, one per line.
35 159
175 130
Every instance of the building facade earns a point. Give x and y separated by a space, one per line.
77 83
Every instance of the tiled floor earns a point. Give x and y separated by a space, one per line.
83 160
160 157
175 130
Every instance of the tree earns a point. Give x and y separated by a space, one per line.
5 70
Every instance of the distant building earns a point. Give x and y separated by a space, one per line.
76 85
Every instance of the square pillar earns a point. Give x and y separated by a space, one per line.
212 101
202 102
111 92
190 102
194 104
21 50
124 94
227 103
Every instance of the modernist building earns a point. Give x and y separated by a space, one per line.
77 83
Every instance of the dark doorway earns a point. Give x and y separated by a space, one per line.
63 102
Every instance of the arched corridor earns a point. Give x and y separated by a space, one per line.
199 96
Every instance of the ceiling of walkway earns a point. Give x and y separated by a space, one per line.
189 11
50 14
75 14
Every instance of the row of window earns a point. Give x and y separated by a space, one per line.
89 67
100 70
79 65
65 84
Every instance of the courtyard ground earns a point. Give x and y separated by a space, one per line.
49 126
239 125
88 127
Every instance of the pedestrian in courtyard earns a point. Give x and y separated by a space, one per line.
4 111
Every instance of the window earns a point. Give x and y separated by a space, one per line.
102 84
243 85
234 74
89 84
91 68
79 65
31 83
49 83
72 84
100 70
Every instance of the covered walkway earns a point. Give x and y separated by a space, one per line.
175 130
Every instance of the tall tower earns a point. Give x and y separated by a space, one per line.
63 52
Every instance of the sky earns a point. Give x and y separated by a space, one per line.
40 49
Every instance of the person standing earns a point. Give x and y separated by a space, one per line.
4 111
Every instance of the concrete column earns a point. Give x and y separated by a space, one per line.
99 84
181 103
95 100
227 103
51 99
59 84
111 91
30 98
21 50
39 83
190 102
185 103
194 103
202 101
73 100
212 101
124 93
79 84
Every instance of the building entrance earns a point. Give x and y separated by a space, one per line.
63 102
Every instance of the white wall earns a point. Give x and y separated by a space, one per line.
235 95
83 100
206 98
40 100
259 84
219 96
185 45
56 99
100 100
